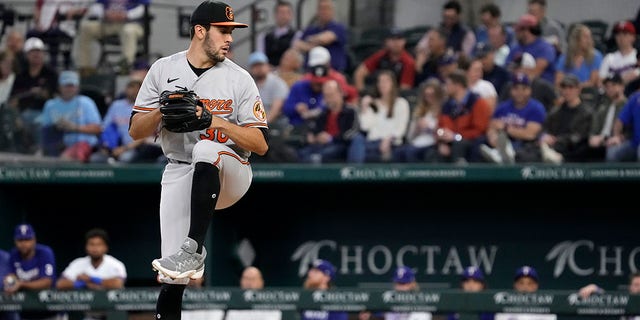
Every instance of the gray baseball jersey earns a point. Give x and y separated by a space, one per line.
226 90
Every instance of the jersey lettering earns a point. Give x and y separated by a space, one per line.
214 105
214 135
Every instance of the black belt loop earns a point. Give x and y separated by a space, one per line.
174 161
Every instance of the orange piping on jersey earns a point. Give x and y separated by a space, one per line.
231 154
220 112
138 108
254 124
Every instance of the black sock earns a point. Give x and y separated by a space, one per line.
205 191
169 304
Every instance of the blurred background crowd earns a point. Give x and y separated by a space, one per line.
536 89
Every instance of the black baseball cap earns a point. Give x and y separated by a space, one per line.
215 13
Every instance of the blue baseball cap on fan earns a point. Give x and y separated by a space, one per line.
24 232
404 275
257 57
325 266
69 78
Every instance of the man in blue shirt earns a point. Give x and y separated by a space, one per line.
326 32
620 148
4 271
528 34
32 267
304 102
320 276
515 126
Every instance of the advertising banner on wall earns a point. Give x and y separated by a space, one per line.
567 252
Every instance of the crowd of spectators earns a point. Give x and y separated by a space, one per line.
461 94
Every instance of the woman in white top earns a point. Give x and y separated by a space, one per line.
421 137
384 119
478 85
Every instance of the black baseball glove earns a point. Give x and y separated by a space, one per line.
178 110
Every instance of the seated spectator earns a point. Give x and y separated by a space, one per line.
551 30
116 145
428 58
566 129
106 18
71 122
252 279
8 116
98 270
622 148
472 280
490 15
393 56
273 92
495 74
528 34
32 268
33 86
421 135
498 41
331 132
139 69
541 89
280 37
384 118
633 85
14 43
304 102
623 60
592 288
525 281
320 276
5 268
290 67
447 64
7 76
633 288
604 118
463 121
581 59
326 32
515 126
477 84
404 280
459 37
321 57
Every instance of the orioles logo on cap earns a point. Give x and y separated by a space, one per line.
229 13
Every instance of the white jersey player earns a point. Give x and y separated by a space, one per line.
207 169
